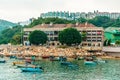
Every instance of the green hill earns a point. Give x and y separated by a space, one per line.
6 24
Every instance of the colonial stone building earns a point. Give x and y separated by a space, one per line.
93 40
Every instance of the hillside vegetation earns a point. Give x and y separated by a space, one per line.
6 24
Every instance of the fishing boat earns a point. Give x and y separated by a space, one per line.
29 69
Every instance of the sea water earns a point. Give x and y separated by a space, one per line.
56 71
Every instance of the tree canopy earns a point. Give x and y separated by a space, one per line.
69 36
38 37
49 20
7 34
16 39
117 42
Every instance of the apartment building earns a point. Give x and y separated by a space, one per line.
75 15
94 35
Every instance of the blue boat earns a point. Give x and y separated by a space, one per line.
29 69
2 61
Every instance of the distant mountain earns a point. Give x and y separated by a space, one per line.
6 24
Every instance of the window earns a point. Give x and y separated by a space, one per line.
56 32
56 38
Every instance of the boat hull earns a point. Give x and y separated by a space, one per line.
90 63
31 70
2 61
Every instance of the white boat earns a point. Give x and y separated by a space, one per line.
90 63
32 69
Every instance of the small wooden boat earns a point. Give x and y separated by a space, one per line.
18 62
45 57
36 69
25 66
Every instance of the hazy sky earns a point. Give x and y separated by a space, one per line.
22 10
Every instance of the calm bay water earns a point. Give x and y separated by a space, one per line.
55 71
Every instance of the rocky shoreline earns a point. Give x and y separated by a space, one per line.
43 51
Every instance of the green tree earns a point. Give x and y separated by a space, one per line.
117 42
105 43
84 35
101 21
109 42
38 37
7 34
81 20
16 39
69 36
